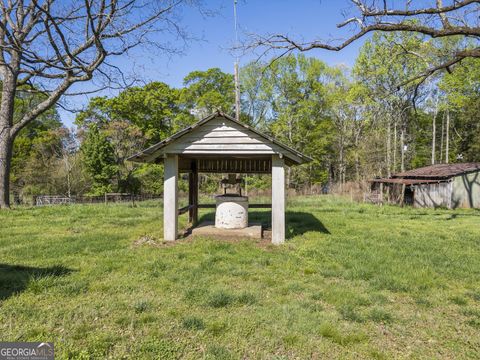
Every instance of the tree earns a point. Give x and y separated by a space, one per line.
125 139
349 106
34 161
208 91
438 21
462 91
135 118
99 159
32 165
256 94
155 109
382 64
46 46
291 101
69 170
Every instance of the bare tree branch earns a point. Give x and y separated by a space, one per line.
46 46
460 18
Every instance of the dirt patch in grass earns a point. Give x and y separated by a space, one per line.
147 240
264 243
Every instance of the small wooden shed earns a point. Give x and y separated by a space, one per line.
220 144
440 185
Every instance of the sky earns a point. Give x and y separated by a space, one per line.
300 19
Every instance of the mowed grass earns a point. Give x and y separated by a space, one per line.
353 281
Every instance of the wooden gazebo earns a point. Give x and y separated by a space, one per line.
220 144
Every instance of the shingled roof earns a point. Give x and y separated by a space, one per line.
402 181
430 174
439 171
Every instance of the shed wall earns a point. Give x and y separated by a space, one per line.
433 195
466 191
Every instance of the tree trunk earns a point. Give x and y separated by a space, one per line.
68 170
394 164
289 177
441 138
402 148
357 156
341 166
5 162
389 132
434 133
447 137
357 166
9 90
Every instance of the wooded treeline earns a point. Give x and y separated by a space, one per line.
356 123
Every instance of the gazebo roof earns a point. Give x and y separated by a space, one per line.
220 136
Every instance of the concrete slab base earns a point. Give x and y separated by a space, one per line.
208 229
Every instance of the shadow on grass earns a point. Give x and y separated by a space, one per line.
15 278
297 222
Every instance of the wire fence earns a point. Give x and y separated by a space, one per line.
44 200
258 194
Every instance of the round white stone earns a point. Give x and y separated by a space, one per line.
231 212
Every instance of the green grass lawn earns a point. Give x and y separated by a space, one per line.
352 281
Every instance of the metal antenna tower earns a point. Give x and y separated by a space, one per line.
236 75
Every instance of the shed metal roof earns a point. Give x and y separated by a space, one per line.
402 181
439 171
155 151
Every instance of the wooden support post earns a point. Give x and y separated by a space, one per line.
278 200
190 196
381 194
193 195
170 198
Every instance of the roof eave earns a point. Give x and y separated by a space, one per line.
141 158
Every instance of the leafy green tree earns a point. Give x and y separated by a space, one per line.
291 100
462 90
125 139
150 178
99 160
208 91
35 164
34 152
385 62
350 108
155 109
256 95
136 118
